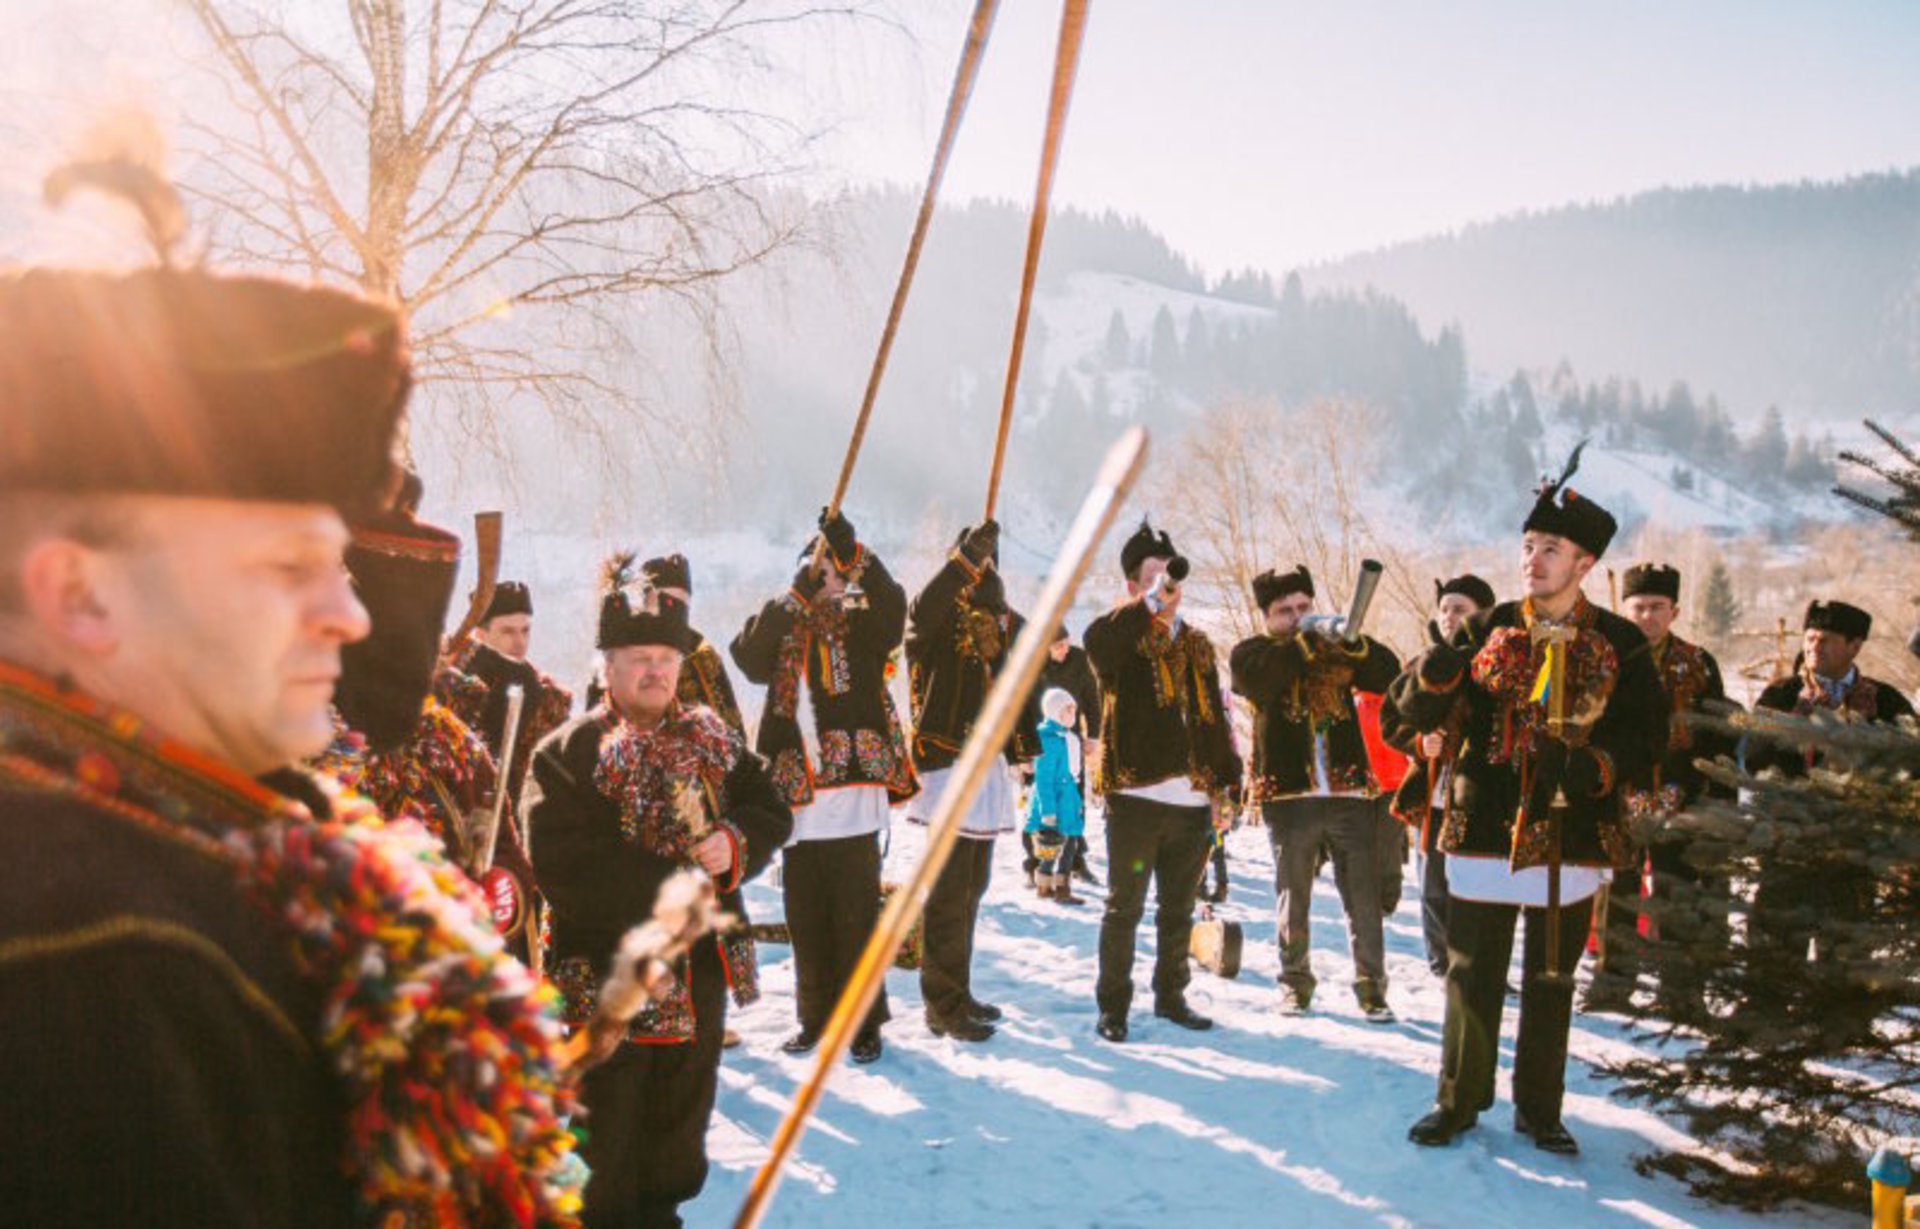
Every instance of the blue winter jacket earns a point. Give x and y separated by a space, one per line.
1055 791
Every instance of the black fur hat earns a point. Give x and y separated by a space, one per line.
510 597
1467 585
1850 621
1561 511
1269 587
669 572
1145 544
1651 579
631 612
403 572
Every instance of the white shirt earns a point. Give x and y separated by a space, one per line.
992 809
850 810
1492 881
1173 792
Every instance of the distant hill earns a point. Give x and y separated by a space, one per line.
1805 296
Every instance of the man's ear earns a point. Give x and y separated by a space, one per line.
62 583
1582 565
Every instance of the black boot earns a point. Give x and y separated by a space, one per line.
1179 1013
986 1013
1552 1137
802 1042
1441 1127
1111 1027
960 1028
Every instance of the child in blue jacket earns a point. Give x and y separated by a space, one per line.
1055 815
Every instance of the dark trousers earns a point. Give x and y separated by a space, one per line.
953 907
832 893
1297 828
1433 910
1168 844
647 1112
1480 946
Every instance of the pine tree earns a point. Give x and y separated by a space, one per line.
1719 608
1802 1055
1163 356
1117 350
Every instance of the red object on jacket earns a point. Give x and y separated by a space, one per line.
1389 766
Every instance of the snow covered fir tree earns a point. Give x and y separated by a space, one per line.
1794 1050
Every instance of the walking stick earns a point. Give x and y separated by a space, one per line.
509 743
969 69
1556 666
1003 706
1073 27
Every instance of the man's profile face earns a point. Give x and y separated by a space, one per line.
225 624
1451 613
1550 565
642 679
1283 614
1148 572
1652 613
508 635
1830 653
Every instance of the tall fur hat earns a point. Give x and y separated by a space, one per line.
1145 544
1850 621
631 612
1270 586
1559 510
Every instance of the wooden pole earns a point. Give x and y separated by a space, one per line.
970 55
990 733
1073 28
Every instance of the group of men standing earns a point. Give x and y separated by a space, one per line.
242 993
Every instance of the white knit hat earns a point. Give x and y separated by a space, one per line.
1054 703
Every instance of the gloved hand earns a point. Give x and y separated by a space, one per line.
1442 667
981 543
838 531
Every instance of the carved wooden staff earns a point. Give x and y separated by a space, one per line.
1066 61
990 733
970 55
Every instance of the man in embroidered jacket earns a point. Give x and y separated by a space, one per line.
1168 771
495 658
618 800
206 984
1792 908
824 645
1517 783
959 630
1311 778
1690 679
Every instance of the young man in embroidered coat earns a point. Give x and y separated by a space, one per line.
495 657
619 800
824 645
1421 800
1690 678
1537 784
1311 778
959 630
215 1013
1168 771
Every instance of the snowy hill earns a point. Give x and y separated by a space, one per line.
1263 1121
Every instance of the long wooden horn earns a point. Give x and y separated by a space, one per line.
970 55
1066 62
990 733
487 533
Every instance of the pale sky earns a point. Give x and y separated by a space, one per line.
1271 133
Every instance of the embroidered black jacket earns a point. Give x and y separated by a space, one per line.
1162 709
955 648
1301 685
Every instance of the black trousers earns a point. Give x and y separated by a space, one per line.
832 894
647 1111
953 907
1168 844
1480 945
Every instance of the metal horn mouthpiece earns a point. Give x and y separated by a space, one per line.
1363 590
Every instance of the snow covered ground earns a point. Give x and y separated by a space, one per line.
1262 1121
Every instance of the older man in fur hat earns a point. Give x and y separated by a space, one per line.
1312 780
620 799
232 996
1790 908
1563 710
1168 772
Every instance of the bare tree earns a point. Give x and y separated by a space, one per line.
1253 486
516 173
